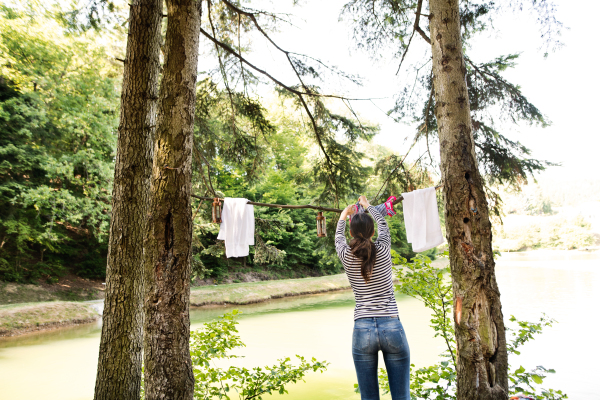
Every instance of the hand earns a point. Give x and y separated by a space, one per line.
349 210
364 202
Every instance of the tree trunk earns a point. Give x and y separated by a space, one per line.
120 359
168 369
480 337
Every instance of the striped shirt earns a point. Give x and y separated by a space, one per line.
376 298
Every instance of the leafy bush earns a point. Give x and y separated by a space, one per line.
214 342
432 287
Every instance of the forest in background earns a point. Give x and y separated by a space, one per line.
562 214
59 109
59 99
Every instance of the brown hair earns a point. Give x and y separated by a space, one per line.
361 245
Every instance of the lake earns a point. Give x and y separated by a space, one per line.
61 364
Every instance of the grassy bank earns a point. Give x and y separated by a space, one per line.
68 288
16 319
254 292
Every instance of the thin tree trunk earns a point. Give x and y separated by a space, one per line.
120 359
168 369
480 337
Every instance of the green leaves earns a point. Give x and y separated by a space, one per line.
525 332
215 341
59 98
387 28
521 381
432 286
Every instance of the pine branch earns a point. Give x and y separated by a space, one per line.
223 72
275 80
417 28
252 16
288 88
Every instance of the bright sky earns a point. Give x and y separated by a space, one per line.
563 86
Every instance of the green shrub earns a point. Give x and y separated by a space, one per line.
430 285
214 342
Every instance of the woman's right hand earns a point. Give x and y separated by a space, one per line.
364 202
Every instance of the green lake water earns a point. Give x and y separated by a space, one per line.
61 364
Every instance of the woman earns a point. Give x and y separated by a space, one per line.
377 327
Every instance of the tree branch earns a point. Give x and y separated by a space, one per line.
398 200
275 80
394 170
423 34
286 87
417 27
222 68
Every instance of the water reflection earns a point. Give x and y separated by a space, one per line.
566 286
338 299
65 333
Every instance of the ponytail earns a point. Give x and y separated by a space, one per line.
363 248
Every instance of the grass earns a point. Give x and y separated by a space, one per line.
254 292
25 317
13 293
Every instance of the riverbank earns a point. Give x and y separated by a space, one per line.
68 288
17 319
254 292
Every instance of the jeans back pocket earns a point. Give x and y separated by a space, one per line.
395 340
361 339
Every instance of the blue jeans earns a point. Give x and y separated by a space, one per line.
386 334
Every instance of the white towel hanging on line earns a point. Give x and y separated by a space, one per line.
421 219
237 227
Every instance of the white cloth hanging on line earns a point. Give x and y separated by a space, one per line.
421 219
237 227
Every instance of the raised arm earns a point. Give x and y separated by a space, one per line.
341 247
383 231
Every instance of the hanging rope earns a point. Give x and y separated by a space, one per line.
335 210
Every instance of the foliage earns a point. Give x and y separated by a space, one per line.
549 232
430 285
59 100
214 342
420 280
386 28
272 163
337 161
538 205
58 116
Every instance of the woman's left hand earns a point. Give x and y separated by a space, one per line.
350 210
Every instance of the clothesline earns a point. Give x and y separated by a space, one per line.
335 210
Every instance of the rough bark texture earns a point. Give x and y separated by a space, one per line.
480 337
120 359
167 363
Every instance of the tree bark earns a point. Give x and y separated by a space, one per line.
168 369
120 359
480 337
